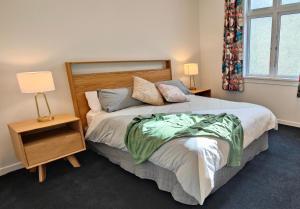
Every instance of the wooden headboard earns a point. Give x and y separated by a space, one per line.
80 83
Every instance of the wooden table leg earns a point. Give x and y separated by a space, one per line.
32 170
73 160
42 173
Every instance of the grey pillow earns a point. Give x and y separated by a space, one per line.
116 99
177 83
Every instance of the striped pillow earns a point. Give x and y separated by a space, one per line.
146 92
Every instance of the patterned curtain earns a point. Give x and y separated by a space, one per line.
232 68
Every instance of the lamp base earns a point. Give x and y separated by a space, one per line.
192 88
45 118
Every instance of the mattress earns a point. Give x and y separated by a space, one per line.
165 179
91 115
255 119
193 160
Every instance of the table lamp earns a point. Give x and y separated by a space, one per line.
191 69
38 83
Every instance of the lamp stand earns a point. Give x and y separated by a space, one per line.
42 118
192 87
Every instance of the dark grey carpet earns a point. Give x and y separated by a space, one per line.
270 181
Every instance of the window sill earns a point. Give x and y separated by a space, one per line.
271 81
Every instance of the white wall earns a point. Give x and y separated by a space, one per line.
42 35
280 97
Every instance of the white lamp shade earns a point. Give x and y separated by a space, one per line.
191 69
36 82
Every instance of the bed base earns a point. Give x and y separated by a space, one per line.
166 180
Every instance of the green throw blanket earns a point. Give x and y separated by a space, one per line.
145 134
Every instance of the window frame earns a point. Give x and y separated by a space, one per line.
275 12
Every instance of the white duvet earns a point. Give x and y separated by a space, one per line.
193 160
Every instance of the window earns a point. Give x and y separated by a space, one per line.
272 38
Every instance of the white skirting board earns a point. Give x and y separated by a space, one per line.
10 168
289 123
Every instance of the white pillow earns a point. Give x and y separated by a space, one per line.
93 101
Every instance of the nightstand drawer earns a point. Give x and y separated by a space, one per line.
45 147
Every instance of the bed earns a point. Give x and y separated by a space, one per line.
189 168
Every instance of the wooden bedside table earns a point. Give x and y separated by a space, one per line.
38 143
202 92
